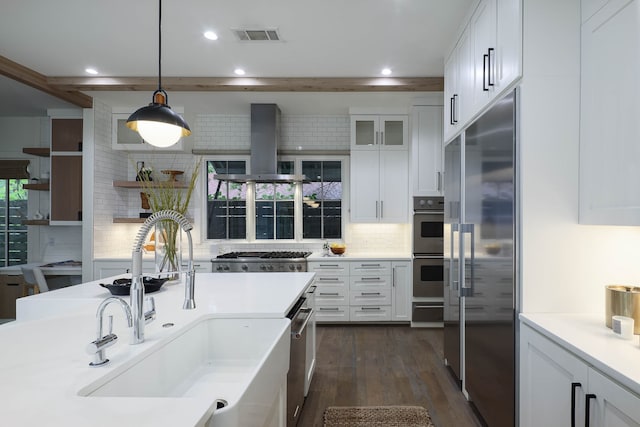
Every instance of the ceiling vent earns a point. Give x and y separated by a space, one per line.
257 35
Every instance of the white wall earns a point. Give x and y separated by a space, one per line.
565 265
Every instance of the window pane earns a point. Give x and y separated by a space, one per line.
312 222
3 203
226 201
17 248
264 220
3 247
312 170
322 200
284 221
332 171
17 204
332 211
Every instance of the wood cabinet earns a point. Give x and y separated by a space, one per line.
362 291
555 386
426 150
379 186
486 60
609 111
66 171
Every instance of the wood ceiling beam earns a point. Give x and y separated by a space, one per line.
242 84
32 78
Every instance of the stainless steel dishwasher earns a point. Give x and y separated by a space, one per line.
300 315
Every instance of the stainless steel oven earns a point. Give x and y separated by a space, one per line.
428 247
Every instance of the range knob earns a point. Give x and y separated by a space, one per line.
219 268
263 267
244 267
298 267
270 267
226 268
292 267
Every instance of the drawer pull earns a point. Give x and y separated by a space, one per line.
335 294
328 265
573 402
328 279
369 265
369 293
329 309
370 308
439 307
370 279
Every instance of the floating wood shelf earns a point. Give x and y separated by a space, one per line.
152 184
35 222
37 151
39 187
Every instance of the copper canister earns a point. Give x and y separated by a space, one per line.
622 300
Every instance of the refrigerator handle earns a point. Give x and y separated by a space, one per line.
453 284
467 291
490 52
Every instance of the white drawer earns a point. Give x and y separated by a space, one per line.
376 297
325 280
381 313
331 295
332 267
371 268
329 313
370 282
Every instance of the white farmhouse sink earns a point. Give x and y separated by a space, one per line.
240 361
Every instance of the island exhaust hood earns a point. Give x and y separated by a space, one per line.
265 134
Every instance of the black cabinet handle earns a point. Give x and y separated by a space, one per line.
451 122
489 82
588 398
484 72
574 386
455 108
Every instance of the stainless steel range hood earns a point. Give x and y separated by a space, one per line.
265 134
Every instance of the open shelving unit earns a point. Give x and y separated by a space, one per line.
38 187
37 151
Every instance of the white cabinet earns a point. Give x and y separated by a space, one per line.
387 132
609 112
401 287
426 150
556 386
379 186
486 60
362 291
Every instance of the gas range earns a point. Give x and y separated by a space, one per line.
273 261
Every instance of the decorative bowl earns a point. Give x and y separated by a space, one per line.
123 286
337 248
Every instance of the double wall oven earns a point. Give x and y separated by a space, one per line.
428 259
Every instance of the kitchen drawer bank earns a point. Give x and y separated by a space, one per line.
571 362
361 291
51 367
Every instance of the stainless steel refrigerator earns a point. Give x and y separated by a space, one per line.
481 288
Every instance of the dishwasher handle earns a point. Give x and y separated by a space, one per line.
297 334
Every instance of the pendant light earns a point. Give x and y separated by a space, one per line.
157 123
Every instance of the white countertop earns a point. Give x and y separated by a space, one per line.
47 364
361 256
587 337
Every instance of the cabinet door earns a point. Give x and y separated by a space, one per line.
365 186
483 36
508 52
609 112
547 373
612 406
393 132
426 150
450 95
394 187
401 291
66 135
66 189
365 133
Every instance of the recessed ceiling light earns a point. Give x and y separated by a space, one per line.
386 71
211 35
239 71
91 71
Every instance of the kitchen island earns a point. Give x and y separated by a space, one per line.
46 375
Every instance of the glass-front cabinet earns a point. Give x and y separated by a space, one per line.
379 132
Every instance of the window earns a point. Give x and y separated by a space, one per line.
226 201
283 211
13 209
322 200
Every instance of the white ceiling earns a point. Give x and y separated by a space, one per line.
328 38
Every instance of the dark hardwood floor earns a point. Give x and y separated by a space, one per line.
368 365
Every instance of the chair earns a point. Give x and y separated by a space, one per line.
34 279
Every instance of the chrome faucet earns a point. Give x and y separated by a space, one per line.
97 348
137 287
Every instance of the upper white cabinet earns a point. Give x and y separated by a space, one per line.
379 132
426 150
379 168
484 63
609 111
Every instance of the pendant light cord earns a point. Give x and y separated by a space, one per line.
159 45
